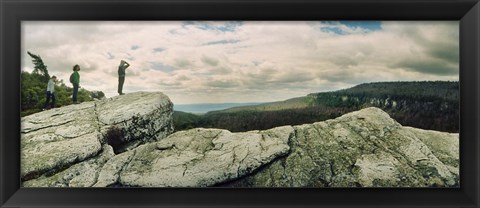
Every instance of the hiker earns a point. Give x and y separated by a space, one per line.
75 80
50 93
121 75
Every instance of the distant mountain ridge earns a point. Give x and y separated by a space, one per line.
293 103
423 90
448 90
430 105
206 107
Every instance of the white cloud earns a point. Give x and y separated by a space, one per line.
196 62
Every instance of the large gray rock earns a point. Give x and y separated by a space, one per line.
58 138
143 117
71 140
82 174
196 158
362 149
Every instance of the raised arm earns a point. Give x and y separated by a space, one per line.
125 64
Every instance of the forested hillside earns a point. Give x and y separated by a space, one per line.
34 87
428 105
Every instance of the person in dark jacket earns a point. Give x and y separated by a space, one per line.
121 75
50 93
75 80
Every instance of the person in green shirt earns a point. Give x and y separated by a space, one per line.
75 80
121 75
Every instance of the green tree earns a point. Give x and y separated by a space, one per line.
40 67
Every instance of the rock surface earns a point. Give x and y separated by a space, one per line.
72 138
196 158
362 149
66 147
144 117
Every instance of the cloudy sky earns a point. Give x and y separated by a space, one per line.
215 62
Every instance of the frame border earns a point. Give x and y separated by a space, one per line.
14 11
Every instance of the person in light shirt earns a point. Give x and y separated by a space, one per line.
50 93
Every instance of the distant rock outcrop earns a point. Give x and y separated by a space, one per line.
70 147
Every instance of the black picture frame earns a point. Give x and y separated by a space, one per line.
14 11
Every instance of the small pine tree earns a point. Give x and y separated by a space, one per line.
39 68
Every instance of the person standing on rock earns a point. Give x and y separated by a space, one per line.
50 93
75 80
121 75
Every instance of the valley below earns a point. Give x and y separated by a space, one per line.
432 105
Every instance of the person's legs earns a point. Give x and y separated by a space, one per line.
47 101
75 91
53 100
121 80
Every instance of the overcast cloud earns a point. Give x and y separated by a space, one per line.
213 62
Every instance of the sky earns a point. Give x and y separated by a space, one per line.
242 61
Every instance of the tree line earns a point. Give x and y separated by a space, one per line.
425 105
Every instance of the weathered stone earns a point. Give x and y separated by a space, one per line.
83 174
196 158
362 149
59 141
143 117
57 138
110 172
445 148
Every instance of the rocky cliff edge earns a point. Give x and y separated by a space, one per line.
127 141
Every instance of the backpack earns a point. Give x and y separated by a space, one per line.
71 78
